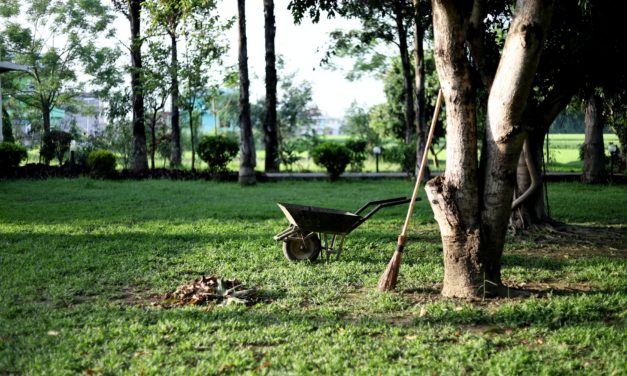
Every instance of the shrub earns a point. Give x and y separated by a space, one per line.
402 154
11 155
288 154
358 153
333 156
101 163
217 151
55 145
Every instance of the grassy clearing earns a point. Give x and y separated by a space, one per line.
80 260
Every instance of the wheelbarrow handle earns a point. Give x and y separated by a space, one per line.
395 201
380 205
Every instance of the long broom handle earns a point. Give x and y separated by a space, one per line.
421 171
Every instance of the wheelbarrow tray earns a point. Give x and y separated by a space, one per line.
313 219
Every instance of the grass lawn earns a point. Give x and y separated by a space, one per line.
81 260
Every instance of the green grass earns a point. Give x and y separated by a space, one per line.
80 260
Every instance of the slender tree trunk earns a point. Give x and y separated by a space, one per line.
270 121
140 160
408 85
45 112
247 146
473 214
192 136
532 211
420 93
594 150
175 159
153 139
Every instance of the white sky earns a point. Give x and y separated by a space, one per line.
297 44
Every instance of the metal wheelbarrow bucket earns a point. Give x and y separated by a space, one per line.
310 225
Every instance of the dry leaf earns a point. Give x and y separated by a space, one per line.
423 312
53 333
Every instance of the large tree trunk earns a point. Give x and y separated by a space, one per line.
247 145
408 85
594 150
140 159
270 121
454 196
420 112
473 214
175 159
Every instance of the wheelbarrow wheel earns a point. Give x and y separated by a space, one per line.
299 250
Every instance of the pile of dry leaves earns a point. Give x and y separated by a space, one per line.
210 290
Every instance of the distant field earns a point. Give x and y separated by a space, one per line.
563 157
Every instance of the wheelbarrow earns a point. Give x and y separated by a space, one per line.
309 225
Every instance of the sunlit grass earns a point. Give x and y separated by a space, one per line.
80 260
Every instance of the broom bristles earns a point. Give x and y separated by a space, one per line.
390 275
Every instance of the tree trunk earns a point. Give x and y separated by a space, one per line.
532 211
420 94
140 160
175 159
247 146
45 112
408 85
594 149
192 136
270 121
473 214
153 139
454 196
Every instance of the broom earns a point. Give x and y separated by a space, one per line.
388 279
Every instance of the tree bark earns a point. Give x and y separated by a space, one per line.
454 197
247 146
594 149
270 121
175 159
140 159
504 132
420 113
192 134
473 213
532 211
45 112
408 85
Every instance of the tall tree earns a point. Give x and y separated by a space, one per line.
270 122
57 40
247 143
471 204
132 10
169 15
156 89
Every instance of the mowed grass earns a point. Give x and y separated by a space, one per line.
81 260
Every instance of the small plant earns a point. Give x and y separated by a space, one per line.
101 163
11 155
333 156
402 154
288 154
55 145
217 151
357 148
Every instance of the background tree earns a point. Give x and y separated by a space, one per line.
247 145
57 41
156 88
132 11
204 45
270 127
